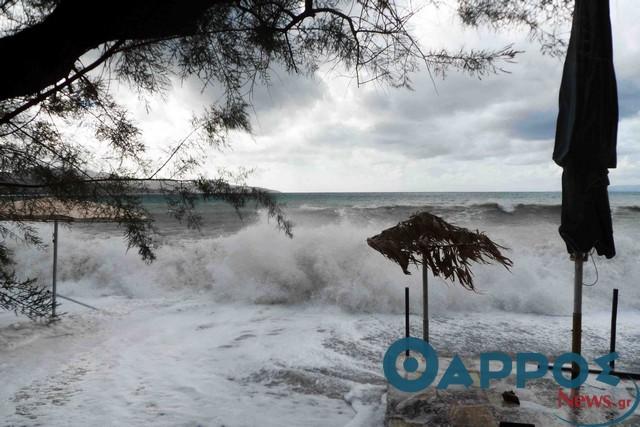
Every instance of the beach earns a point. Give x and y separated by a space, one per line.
238 325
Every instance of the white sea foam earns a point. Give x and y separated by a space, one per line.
329 262
243 326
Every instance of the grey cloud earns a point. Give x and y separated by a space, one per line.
506 119
535 125
629 97
287 91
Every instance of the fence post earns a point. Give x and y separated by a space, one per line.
406 315
55 267
614 321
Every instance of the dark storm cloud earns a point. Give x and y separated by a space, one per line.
535 125
457 93
461 117
510 117
283 93
538 125
629 97
462 128
465 118
415 139
287 92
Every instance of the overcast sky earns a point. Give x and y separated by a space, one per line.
323 133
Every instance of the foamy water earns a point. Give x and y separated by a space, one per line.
328 261
237 312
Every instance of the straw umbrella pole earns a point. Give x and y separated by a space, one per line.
425 299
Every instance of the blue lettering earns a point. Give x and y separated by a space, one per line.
456 373
569 358
522 375
605 377
486 374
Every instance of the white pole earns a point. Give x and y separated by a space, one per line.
55 265
425 299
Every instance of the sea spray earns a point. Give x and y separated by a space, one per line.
328 261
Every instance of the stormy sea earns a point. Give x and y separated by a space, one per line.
236 324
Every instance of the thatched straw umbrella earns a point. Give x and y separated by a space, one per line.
444 248
49 209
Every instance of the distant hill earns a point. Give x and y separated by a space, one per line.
152 187
155 187
625 188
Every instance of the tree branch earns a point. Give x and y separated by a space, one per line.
44 95
43 54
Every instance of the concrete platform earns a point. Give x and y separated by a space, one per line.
540 403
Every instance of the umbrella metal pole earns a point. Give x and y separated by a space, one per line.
576 342
55 266
425 299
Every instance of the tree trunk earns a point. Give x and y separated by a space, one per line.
43 54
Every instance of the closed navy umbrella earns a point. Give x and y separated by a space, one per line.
585 143
587 129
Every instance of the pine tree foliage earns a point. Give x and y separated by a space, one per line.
62 57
